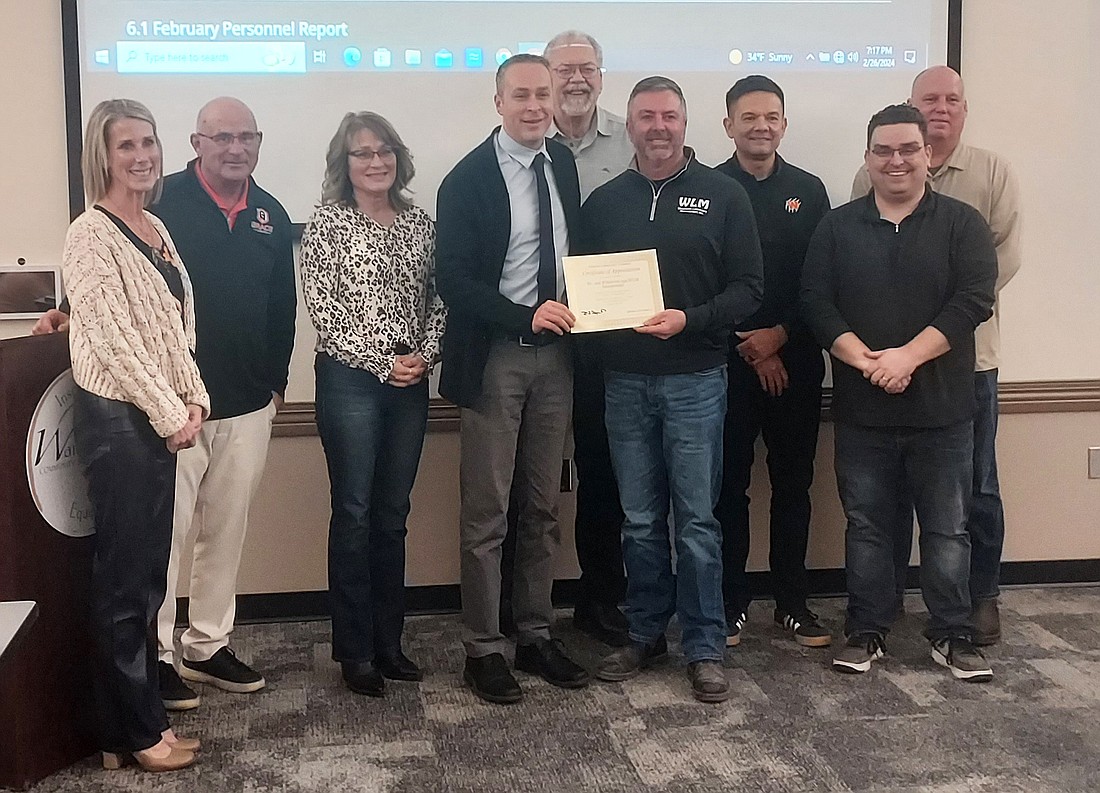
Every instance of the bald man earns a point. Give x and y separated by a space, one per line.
235 240
985 181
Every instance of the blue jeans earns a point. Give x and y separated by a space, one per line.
665 433
874 465
986 524
372 434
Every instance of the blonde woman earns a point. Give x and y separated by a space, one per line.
368 276
140 400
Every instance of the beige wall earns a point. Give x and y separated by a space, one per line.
1034 94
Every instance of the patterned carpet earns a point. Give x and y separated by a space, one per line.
792 724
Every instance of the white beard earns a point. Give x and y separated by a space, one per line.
577 104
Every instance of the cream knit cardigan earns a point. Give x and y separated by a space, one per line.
127 337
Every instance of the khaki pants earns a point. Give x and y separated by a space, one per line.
215 483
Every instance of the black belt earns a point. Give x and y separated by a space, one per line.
543 339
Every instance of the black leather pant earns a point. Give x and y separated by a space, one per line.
131 481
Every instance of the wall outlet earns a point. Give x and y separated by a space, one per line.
1094 462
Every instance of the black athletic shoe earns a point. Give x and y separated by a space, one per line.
174 693
225 671
805 627
735 621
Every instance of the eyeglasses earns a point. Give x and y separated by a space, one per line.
587 70
907 152
384 153
226 139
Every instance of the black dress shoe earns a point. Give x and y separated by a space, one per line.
398 667
603 622
490 679
547 659
363 677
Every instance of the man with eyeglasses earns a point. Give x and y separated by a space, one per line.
987 182
599 143
235 240
893 286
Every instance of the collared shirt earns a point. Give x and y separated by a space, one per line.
228 208
987 182
603 153
886 282
519 277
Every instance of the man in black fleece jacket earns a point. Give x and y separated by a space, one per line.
666 380
893 286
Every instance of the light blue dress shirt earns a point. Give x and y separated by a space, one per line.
519 278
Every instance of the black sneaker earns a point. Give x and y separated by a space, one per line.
735 621
858 652
805 626
965 661
174 693
225 671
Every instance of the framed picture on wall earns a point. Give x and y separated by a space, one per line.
27 290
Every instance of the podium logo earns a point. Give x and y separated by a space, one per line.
56 480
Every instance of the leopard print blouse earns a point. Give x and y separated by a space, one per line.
370 289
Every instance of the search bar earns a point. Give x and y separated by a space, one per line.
210 57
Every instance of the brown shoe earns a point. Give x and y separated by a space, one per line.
173 761
986 617
708 681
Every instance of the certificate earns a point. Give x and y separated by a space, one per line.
611 291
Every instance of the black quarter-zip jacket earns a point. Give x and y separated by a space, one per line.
886 283
788 205
701 224
243 279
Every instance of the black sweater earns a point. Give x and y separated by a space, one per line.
701 224
886 283
245 298
788 206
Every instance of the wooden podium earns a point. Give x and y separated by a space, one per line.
46 714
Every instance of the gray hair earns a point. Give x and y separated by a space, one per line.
95 156
567 37
657 83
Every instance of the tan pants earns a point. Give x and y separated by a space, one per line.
215 483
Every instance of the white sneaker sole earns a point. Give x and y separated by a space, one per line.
855 667
967 675
225 685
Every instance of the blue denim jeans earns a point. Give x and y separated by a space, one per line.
986 524
665 433
372 434
935 467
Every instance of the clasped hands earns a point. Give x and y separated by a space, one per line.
760 350
890 369
407 370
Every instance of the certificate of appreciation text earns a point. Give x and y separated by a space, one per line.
612 291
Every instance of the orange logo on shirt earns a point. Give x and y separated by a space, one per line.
793 205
